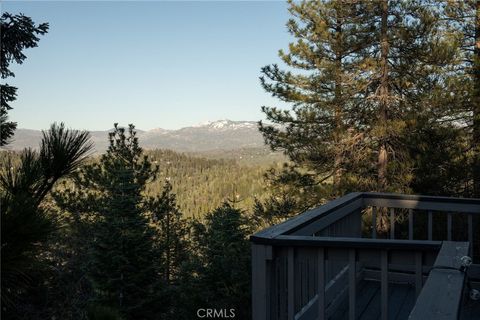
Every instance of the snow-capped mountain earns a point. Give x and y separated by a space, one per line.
211 135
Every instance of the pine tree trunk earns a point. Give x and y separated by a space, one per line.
383 92
338 106
476 105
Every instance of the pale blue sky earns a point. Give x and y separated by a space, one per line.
156 64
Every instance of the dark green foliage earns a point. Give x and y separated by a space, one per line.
202 184
96 312
369 84
27 223
18 33
121 258
171 232
222 262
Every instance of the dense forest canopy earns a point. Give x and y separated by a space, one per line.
384 96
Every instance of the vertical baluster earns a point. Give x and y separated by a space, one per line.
430 225
351 284
410 224
260 275
392 223
374 222
384 284
418 273
470 233
321 283
291 284
449 226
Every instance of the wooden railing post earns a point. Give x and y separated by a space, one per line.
352 281
384 284
291 283
392 223
260 284
410 224
321 283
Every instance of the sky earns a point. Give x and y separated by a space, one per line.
155 64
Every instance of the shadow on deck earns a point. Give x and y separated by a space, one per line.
401 301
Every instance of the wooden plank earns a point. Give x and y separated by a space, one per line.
449 226
384 284
315 225
419 202
392 223
259 282
291 283
410 224
407 306
308 216
321 283
393 276
418 273
430 225
470 233
352 291
442 293
397 297
366 300
374 222
341 242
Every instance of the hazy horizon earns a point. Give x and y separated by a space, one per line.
203 123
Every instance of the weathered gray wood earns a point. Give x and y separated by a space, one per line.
341 242
316 225
470 233
392 223
384 284
410 224
474 272
442 293
393 276
449 226
433 203
308 216
259 282
374 222
341 221
430 225
291 283
418 273
321 283
352 292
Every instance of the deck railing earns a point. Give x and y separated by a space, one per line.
306 267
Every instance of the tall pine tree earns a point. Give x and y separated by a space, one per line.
320 134
122 260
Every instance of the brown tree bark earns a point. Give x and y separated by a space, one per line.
383 96
338 104
476 105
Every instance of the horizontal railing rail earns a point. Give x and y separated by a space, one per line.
441 296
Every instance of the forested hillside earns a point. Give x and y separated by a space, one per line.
203 184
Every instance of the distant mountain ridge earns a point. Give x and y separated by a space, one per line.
212 135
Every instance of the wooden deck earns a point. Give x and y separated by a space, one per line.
370 256
401 301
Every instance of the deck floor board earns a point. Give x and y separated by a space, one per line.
401 301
